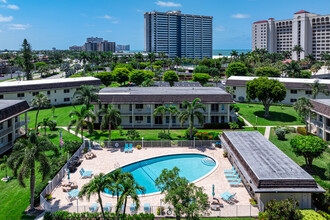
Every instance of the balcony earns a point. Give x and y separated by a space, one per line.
317 123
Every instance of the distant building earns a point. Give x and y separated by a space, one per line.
310 31
178 35
90 46
94 39
76 48
123 47
106 46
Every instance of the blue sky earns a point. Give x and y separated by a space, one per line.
62 23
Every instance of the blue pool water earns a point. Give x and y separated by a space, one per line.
192 167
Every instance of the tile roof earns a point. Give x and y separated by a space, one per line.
301 12
10 108
263 21
321 106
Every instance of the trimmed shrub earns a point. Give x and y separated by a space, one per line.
170 77
52 125
201 69
311 215
280 133
164 136
235 107
202 78
207 135
301 130
268 71
187 132
233 125
132 134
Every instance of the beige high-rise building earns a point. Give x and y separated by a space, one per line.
310 31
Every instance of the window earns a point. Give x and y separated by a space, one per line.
55 100
308 92
214 119
119 107
19 95
222 107
234 88
130 107
16 119
35 93
293 100
139 106
214 107
1 96
167 119
234 96
54 91
158 120
293 91
1 126
148 119
130 119
48 92
2 139
67 99
222 119
157 105
138 118
66 90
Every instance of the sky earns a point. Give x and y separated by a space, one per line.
63 23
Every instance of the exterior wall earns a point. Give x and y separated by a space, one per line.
222 115
56 96
304 199
319 125
240 95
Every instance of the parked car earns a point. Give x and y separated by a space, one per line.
1 75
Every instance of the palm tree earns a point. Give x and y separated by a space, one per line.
111 117
44 123
83 57
86 94
81 120
24 156
138 58
287 54
160 110
173 110
151 57
97 185
316 67
4 164
177 62
292 69
192 111
234 54
216 79
130 189
317 88
298 49
39 101
116 178
303 107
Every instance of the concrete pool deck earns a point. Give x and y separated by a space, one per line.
107 159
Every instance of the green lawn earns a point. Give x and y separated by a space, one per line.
14 199
176 134
278 115
319 164
61 115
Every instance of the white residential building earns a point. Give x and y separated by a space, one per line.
319 119
296 88
310 31
59 91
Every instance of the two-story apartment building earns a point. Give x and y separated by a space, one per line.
137 104
13 122
296 88
59 91
319 118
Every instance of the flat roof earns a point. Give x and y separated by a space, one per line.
9 108
163 94
267 166
44 84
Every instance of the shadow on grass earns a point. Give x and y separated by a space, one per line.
276 116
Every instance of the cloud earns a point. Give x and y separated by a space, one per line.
115 22
106 17
3 1
18 26
5 19
139 10
240 16
13 7
108 31
219 28
167 4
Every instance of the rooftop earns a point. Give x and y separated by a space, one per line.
321 106
301 12
9 108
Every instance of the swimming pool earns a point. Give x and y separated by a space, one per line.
192 167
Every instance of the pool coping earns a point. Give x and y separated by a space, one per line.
158 193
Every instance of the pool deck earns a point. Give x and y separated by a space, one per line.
107 160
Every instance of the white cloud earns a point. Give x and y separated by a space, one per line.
3 1
18 26
13 7
108 31
240 16
168 4
107 17
138 10
219 28
115 22
5 19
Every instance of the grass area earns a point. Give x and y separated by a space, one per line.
61 115
14 199
319 164
148 134
278 115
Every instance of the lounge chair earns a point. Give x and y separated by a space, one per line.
238 183
232 178
227 197
93 207
230 171
147 207
107 207
72 194
231 174
130 148
84 173
133 207
126 148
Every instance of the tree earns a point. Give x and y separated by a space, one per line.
24 156
192 111
97 185
27 59
188 200
310 147
298 49
292 69
202 78
268 71
83 57
283 209
236 69
160 110
303 107
315 67
267 91
201 69
40 100
116 178
85 95
216 79
4 164
151 57
139 76
173 110
317 88
44 123
81 119
170 77
53 111
110 117
106 77
122 74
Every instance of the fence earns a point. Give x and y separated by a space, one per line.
160 143
54 182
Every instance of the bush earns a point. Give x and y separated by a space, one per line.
207 135
225 154
133 134
235 107
236 69
187 133
280 133
129 67
301 130
139 76
304 74
201 69
164 136
283 209
170 77
71 146
216 126
214 72
240 122
202 78
268 71
75 76
233 125
311 215
52 125
324 214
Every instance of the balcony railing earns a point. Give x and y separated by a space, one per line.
317 123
